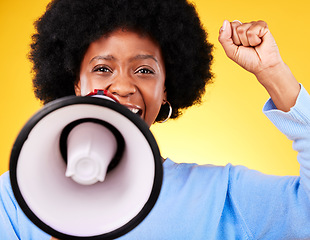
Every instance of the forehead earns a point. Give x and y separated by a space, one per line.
124 42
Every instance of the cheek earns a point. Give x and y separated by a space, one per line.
153 101
86 84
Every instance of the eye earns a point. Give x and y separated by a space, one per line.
145 71
102 68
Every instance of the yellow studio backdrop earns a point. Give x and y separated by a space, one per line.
229 127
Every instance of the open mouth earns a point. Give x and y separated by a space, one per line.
136 111
106 93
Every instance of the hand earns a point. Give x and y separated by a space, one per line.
54 238
252 46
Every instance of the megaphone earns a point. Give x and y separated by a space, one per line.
86 168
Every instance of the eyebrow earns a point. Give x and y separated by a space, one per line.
102 57
144 56
137 57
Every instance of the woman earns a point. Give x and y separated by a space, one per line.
153 54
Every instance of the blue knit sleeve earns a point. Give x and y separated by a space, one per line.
8 214
274 207
295 124
14 225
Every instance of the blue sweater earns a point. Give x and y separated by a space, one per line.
213 202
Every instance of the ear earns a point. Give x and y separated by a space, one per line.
77 88
165 96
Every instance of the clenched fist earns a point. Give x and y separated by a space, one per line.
252 46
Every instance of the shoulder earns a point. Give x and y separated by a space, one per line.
200 177
192 169
13 222
187 169
5 185
7 199
4 177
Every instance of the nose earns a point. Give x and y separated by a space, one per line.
122 87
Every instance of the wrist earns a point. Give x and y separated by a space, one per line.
273 75
281 85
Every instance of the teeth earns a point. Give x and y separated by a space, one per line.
134 110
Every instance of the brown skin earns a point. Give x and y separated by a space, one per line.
250 45
131 67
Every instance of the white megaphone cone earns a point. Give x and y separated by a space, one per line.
86 168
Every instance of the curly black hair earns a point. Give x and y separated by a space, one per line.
68 27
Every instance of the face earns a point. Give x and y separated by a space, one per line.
130 66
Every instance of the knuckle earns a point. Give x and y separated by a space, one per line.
236 23
250 33
240 30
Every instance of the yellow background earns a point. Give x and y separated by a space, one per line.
228 127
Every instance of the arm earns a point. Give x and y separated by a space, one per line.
275 207
279 206
252 46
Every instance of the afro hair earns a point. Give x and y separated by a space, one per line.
67 28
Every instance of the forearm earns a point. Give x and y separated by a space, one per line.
281 85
